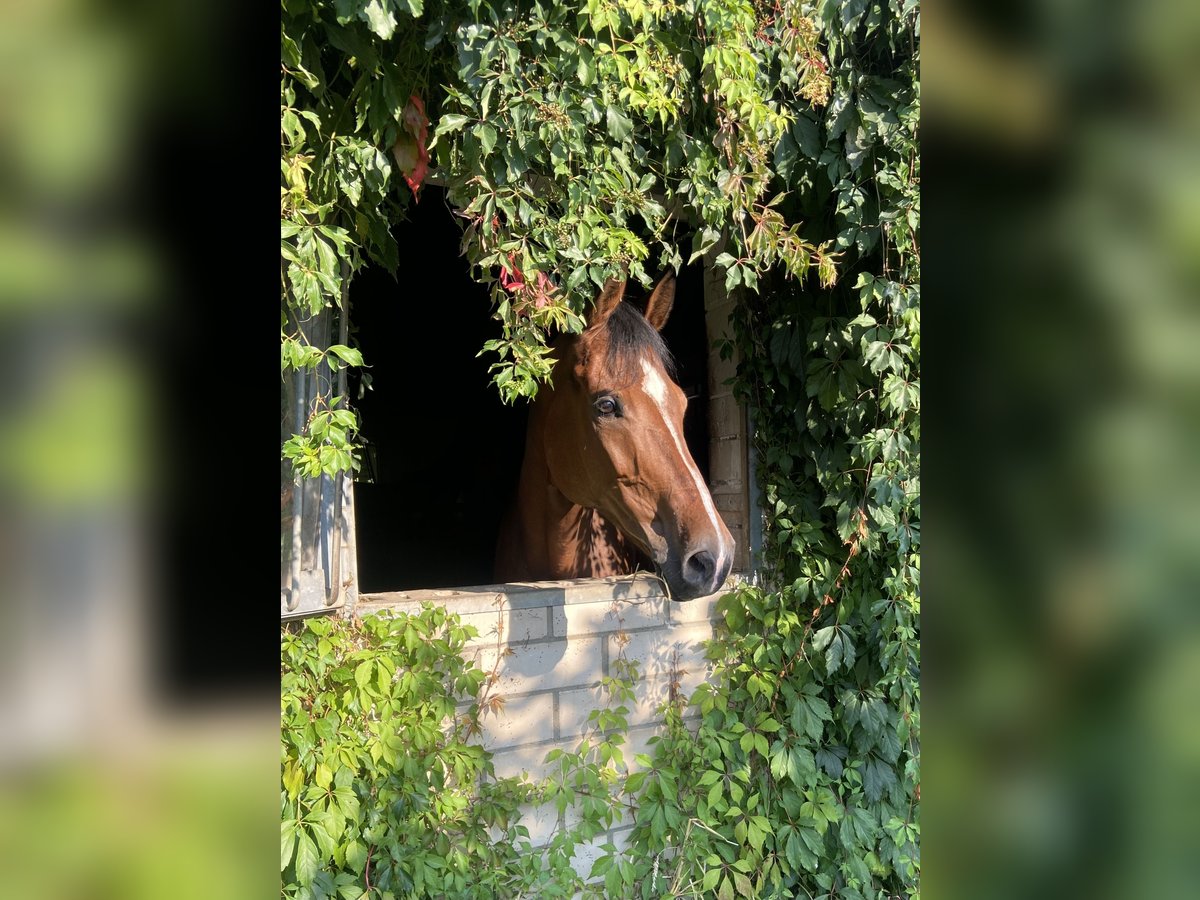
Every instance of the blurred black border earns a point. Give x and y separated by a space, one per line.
207 170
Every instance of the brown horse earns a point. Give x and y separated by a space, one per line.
607 484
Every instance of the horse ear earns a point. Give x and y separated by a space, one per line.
658 307
609 299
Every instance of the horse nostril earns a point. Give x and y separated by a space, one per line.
699 567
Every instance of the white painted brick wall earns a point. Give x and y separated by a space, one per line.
550 644
665 650
511 625
607 616
519 717
544 665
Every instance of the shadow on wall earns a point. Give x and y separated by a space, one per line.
551 643
552 646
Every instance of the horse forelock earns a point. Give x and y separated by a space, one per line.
628 339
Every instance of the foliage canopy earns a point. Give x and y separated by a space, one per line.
578 141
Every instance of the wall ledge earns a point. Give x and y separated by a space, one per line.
639 588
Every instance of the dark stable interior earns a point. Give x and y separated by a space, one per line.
443 453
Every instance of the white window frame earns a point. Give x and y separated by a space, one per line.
323 571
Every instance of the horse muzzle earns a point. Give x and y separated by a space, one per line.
699 571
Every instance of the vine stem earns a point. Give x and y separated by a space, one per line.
829 598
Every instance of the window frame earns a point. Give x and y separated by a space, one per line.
322 572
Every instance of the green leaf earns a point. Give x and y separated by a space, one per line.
323 776
347 354
307 858
801 765
585 71
362 673
807 135
786 155
379 18
346 799
830 762
287 842
487 138
779 764
733 277
620 126
755 835
756 685
293 779
318 824
851 10
798 854
714 794
346 10
878 777
819 708
451 122
822 637
835 655
858 827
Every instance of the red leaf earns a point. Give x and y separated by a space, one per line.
415 119
412 155
417 176
544 289
509 282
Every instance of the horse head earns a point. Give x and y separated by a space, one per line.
614 441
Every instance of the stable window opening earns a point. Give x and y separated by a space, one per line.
442 451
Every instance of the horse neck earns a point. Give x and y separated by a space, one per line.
552 537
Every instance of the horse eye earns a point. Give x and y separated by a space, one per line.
606 406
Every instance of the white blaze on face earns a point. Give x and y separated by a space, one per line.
656 388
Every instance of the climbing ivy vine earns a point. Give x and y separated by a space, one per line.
577 141
803 776
780 141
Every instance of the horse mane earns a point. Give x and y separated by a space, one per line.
630 337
